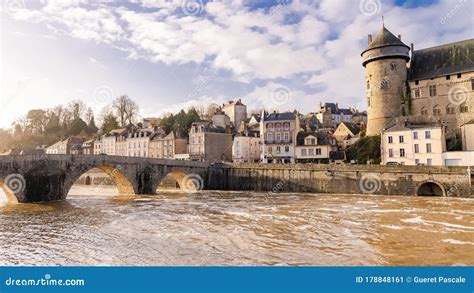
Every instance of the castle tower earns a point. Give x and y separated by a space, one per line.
385 61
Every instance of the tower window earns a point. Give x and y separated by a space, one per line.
450 109
424 111
472 84
448 77
464 108
416 82
417 93
432 90
459 75
368 85
393 66
436 111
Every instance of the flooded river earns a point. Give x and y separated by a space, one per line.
238 228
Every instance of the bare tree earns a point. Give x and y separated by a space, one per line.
77 108
126 109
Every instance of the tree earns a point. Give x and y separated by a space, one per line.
77 126
110 123
365 149
37 120
126 109
92 127
77 108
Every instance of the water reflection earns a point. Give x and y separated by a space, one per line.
238 228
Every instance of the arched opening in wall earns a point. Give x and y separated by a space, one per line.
179 181
106 181
7 195
430 189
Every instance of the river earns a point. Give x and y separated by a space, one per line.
94 227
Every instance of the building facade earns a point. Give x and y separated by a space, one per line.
236 111
278 133
414 145
246 147
313 147
330 115
210 143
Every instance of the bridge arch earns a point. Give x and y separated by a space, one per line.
115 172
10 194
430 188
186 181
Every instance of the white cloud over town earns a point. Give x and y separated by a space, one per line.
310 47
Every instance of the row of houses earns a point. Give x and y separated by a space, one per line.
268 137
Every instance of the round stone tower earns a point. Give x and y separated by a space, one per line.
385 61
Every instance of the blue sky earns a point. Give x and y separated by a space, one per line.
167 55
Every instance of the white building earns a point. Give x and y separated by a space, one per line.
413 145
53 149
314 147
246 147
97 147
137 142
330 115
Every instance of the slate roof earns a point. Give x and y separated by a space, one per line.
280 116
321 137
384 38
442 60
336 110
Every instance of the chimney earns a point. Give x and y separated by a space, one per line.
400 37
369 39
412 48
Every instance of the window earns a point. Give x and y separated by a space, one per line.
417 148
427 134
428 147
310 141
318 151
390 139
303 152
459 75
287 136
368 85
286 125
417 161
417 93
448 77
463 108
436 110
270 150
415 135
472 84
393 66
450 109
277 126
278 137
269 137
390 153
269 126
432 90
402 152
287 148
278 149
401 139
429 162
424 111
417 82
311 152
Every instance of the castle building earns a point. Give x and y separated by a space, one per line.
430 85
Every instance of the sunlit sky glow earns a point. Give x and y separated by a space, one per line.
167 56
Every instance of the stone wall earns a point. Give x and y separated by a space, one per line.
340 179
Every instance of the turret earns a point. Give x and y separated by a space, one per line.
385 61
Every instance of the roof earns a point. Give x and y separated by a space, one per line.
403 127
233 103
384 38
469 122
334 108
209 127
321 137
353 127
275 116
442 60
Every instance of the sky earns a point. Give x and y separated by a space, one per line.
173 54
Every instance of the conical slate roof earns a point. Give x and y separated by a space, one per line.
385 38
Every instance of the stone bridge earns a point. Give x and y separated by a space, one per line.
344 179
50 177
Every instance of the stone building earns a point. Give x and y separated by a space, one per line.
221 119
137 142
330 115
467 136
346 134
236 111
166 147
278 133
432 85
88 147
208 142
